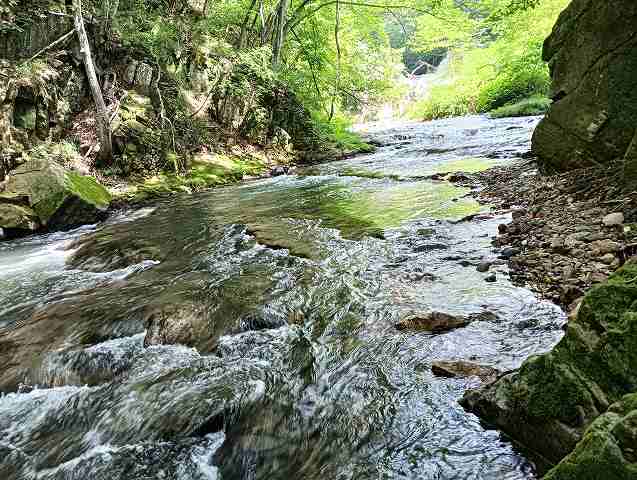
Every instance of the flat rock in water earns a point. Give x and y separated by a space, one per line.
435 322
463 369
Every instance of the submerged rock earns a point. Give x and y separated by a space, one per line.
550 402
435 322
54 198
463 369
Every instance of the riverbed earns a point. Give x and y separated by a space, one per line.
248 332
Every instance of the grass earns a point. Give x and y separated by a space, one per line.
535 105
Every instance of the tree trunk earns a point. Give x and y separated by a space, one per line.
244 26
278 40
337 85
105 155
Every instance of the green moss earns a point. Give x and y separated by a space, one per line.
536 105
205 171
607 450
88 189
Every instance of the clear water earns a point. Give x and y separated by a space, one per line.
294 368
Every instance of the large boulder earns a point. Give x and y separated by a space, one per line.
608 450
548 404
592 54
41 193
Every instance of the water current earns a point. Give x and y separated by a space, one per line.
248 332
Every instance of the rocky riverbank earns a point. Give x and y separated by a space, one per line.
568 231
572 239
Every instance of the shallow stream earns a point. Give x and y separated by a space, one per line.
285 292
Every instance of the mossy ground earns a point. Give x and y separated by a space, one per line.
536 105
204 171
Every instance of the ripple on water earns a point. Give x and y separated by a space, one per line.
293 367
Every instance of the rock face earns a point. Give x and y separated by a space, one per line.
592 54
608 449
42 194
552 402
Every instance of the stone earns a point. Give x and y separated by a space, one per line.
613 219
463 369
605 246
608 449
549 404
608 258
509 252
435 322
492 278
593 118
16 217
484 266
558 245
59 199
502 229
519 213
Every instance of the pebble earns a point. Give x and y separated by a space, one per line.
613 219
562 239
483 266
509 252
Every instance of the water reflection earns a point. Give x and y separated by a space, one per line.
248 332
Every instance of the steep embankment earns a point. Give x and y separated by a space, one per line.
196 116
575 406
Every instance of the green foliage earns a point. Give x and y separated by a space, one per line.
496 58
536 105
338 134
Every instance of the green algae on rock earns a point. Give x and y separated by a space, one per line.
550 402
608 449
59 199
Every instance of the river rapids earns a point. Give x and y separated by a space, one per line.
248 332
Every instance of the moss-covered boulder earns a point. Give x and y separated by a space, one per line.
57 198
592 53
608 450
548 404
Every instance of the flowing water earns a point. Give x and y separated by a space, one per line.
248 332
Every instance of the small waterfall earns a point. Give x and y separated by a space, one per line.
416 86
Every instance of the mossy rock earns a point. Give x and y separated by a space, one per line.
608 450
550 402
17 217
59 199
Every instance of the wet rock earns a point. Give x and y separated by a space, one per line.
492 278
463 369
435 322
278 171
503 229
519 213
509 252
551 401
484 266
429 247
56 198
613 219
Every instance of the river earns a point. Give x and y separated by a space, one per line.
283 293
